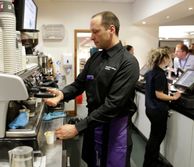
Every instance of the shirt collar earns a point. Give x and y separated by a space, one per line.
186 57
158 68
112 51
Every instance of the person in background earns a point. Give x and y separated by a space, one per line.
183 59
93 50
108 78
191 48
130 49
170 69
157 105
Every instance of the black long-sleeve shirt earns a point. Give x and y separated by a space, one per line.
109 79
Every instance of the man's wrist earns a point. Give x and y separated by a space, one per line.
75 131
173 98
61 96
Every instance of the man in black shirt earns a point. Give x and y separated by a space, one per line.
109 79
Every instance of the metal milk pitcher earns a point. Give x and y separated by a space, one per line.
22 156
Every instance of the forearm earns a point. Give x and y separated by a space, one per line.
165 97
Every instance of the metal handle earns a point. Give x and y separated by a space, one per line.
41 155
44 95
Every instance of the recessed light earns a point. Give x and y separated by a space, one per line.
190 8
167 17
143 22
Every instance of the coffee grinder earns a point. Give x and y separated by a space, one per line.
29 40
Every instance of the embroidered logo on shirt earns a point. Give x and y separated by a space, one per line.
89 77
110 68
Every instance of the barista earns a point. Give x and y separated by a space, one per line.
183 60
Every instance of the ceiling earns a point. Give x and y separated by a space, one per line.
119 1
176 15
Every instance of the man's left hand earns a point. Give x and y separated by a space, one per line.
66 131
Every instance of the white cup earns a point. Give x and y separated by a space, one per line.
50 137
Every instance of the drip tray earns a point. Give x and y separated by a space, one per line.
31 128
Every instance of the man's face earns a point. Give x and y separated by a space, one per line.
100 35
179 53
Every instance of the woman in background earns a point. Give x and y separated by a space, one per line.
157 104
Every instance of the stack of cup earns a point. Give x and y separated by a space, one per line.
19 51
1 51
8 24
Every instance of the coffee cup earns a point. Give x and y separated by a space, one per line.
50 137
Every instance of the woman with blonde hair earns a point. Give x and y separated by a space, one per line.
157 104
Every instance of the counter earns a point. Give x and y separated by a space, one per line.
175 105
53 153
178 145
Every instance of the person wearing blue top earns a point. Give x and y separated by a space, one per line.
184 59
157 104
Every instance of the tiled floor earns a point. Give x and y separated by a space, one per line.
137 155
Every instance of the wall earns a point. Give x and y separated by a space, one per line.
77 16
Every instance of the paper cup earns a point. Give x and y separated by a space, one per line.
50 137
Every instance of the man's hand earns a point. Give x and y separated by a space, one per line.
55 100
66 131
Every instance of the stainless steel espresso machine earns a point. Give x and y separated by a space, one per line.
12 87
23 90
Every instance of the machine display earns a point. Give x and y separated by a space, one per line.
186 80
26 15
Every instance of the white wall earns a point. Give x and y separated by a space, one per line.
77 16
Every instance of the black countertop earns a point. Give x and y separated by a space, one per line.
175 105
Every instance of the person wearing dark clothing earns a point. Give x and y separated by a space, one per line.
108 78
93 50
157 104
130 49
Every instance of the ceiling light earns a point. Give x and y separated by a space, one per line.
143 22
191 33
190 8
167 17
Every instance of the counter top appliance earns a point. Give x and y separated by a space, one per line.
12 87
186 82
21 91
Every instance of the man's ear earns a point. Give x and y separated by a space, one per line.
112 28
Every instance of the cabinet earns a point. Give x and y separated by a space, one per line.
192 150
178 140
178 145
140 119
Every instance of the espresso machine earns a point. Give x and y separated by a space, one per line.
29 40
21 91
12 87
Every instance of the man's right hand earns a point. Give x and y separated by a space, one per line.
55 100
